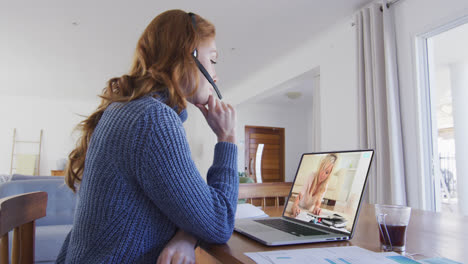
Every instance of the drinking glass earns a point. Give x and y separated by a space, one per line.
393 221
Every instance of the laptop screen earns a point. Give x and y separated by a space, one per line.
328 188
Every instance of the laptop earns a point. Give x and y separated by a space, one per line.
323 203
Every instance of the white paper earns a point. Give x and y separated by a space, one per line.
341 255
249 211
304 217
439 261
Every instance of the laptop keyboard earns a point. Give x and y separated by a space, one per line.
290 227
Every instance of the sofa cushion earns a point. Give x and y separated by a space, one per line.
49 241
61 200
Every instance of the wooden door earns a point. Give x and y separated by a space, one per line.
272 164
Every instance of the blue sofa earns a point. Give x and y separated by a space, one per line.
54 227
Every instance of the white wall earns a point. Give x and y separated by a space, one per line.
414 18
201 139
334 51
29 115
88 70
58 118
292 119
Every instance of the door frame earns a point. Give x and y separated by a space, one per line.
430 186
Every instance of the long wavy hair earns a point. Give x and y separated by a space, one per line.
319 188
162 63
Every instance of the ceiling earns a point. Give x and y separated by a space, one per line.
302 86
65 48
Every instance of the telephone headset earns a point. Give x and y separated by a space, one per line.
200 66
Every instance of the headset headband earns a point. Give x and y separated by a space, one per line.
194 23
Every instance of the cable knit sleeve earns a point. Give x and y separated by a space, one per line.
169 177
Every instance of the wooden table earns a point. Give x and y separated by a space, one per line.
429 235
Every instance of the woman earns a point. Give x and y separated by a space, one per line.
140 194
312 194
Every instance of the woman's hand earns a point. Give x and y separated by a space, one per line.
221 118
317 210
295 211
180 249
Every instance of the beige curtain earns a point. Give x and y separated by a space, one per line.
379 106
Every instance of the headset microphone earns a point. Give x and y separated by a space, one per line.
200 66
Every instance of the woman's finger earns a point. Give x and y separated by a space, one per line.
218 104
164 258
211 102
233 111
177 259
188 261
225 108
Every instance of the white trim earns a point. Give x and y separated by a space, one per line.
316 113
437 177
434 151
436 30
430 187
425 127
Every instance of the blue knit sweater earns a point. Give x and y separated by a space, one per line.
140 185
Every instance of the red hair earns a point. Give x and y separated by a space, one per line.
162 63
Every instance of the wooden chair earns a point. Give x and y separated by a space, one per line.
264 190
18 213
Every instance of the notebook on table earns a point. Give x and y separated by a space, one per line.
339 197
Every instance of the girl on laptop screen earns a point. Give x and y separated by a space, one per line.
312 193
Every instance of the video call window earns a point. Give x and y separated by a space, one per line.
328 188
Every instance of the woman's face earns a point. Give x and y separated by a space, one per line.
207 55
323 174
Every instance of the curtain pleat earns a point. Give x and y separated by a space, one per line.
379 106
